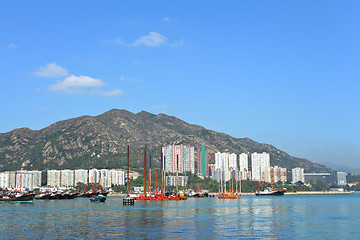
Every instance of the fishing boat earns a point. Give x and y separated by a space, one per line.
73 195
55 196
270 192
18 197
99 198
43 196
223 194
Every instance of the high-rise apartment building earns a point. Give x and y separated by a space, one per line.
67 178
244 167
274 174
36 179
341 178
5 180
81 176
179 158
233 161
53 178
297 175
107 177
227 164
259 161
171 180
203 162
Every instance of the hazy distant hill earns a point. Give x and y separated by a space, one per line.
87 142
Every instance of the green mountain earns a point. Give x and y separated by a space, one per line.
101 142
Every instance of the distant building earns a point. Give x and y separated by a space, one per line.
274 174
171 181
179 158
203 162
222 164
37 179
244 167
233 161
218 175
341 178
5 180
259 161
107 177
81 176
298 175
211 169
314 177
67 178
53 178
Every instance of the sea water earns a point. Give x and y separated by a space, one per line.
286 217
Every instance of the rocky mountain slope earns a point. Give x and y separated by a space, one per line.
101 141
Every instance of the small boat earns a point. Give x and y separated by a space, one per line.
270 192
99 198
26 197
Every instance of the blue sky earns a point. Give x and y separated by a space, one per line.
279 72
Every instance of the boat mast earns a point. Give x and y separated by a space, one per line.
161 171
177 175
156 182
145 170
150 174
165 172
236 182
128 171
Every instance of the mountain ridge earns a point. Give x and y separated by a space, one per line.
100 141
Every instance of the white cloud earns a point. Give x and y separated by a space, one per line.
137 62
154 39
83 85
112 93
122 78
51 70
73 84
12 45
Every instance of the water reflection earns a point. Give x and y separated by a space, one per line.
250 217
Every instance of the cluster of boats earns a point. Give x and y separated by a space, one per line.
18 196
70 195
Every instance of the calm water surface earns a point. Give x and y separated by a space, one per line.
299 217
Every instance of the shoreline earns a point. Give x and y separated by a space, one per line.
114 194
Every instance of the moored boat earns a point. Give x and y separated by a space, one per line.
270 192
73 195
43 196
26 197
99 198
